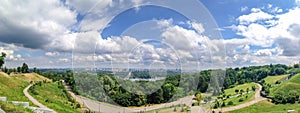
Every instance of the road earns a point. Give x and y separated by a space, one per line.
2 111
109 108
34 101
257 98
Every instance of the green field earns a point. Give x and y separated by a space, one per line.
290 85
231 91
51 94
268 107
272 79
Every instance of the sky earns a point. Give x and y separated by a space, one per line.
152 34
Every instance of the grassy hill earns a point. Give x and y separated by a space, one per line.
268 107
231 91
12 86
290 85
55 96
272 79
30 77
236 100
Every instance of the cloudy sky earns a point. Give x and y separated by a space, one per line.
149 33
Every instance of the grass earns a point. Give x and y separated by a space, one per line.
290 85
246 98
231 91
28 77
272 79
168 110
12 88
51 94
268 107
10 108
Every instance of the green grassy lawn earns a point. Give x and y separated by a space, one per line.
268 107
52 95
290 85
272 79
231 91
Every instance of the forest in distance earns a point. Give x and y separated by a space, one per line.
104 84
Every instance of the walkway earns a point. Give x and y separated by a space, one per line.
34 101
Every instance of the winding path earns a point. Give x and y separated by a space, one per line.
257 98
109 108
2 111
34 101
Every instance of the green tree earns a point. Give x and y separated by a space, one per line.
25 68
168 91
199 97
2 59
236 91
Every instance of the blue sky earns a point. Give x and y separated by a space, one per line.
200 34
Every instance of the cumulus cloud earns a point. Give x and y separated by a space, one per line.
273 34
35 24
10 55
254 16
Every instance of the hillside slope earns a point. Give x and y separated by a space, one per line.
290 85
11 86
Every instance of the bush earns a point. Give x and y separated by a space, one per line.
241 100
223 104
230 103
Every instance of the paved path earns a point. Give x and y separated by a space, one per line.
257 98
109 108
197 109
2 111
34 101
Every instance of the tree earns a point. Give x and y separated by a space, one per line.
247 90
2 59
230 103
253 88
19 69
25 68
241 92
199 97
168 91
236 91
296 66
279 71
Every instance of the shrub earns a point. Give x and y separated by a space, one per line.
241 100
230 103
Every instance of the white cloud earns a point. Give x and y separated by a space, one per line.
63 60
37 23
52 54
254 16
245 8
10 55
